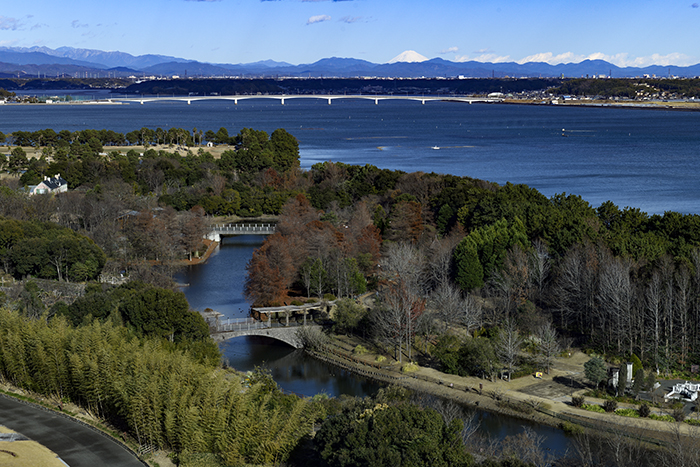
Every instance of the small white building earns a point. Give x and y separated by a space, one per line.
55 184
684 391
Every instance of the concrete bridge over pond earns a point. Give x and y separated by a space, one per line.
218 230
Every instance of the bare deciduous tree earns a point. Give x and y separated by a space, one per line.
549 345
447 302
539 265
402 268
508 345
471 312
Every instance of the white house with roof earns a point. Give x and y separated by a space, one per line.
55 184
684 391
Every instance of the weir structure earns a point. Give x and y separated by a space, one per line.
285 97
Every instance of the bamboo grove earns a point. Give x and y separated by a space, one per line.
160 397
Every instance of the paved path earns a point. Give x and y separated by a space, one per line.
77 444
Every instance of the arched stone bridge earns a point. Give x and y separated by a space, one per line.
221 330
252 327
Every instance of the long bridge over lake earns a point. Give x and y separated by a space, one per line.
287 97
228 230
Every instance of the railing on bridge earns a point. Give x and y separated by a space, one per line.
255 229
241 324
219 230
330 97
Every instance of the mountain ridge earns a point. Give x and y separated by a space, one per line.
409 64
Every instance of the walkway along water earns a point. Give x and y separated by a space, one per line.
505 398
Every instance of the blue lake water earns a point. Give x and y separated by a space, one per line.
635 157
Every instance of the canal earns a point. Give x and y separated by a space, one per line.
218 284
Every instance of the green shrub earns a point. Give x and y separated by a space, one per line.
571 428
627 413
644 410
380 358
610 405
593 408
636 364
678 414
409 367
403 434
516 406
692 421
578 401
662 418
296 303
329 297
360 350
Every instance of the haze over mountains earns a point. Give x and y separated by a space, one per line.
70 62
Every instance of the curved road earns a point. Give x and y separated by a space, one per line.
76 444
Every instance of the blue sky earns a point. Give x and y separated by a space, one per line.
626 33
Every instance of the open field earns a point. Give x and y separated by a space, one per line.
216 151
19 451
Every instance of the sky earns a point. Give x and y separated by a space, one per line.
625 33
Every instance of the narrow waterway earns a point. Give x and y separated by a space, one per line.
218 284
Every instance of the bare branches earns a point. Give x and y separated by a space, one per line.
508 345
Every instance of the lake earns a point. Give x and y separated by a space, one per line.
634 157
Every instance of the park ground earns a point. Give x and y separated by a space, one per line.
548 396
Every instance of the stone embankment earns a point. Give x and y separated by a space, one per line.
544 401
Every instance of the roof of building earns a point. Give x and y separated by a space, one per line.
53 183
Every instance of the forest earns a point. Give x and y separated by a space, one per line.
516 273
629 88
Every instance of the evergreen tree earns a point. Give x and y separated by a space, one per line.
595 370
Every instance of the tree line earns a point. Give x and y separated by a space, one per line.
46 250
629 88
488 256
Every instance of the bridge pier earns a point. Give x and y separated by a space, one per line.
329 101
235 102
376 101
282 100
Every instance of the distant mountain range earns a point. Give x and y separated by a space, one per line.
69 62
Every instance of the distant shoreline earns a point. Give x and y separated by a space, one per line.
648 105
645 105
